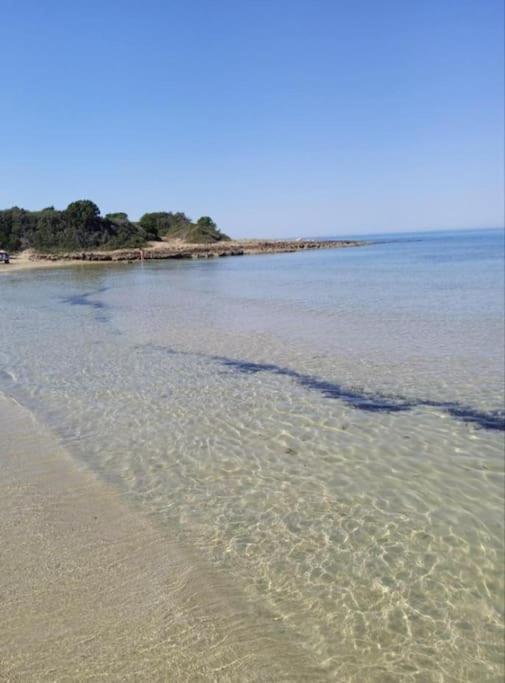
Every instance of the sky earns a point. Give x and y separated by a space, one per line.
275 117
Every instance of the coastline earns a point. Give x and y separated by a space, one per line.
91 588
227 410
174 249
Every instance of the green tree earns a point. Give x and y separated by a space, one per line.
165 224
80 226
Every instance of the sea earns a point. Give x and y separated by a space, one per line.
323 429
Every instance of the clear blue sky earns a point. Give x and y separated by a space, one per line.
275 117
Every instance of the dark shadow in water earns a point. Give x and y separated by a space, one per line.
356 398
85 300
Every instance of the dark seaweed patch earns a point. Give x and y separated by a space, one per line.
357 399
493 419
85 300
372 402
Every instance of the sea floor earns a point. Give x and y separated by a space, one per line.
211 472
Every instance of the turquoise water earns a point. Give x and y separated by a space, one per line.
324 428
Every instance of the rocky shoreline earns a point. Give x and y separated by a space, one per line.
181 250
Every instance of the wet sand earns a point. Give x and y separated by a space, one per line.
91 589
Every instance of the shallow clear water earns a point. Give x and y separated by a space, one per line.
325 428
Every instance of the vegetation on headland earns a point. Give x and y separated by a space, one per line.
81 226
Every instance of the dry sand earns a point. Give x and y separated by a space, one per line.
23 261
91 589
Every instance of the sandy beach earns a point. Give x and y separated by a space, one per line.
90 589
281 468
267 469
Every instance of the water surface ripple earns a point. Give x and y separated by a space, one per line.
324 432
